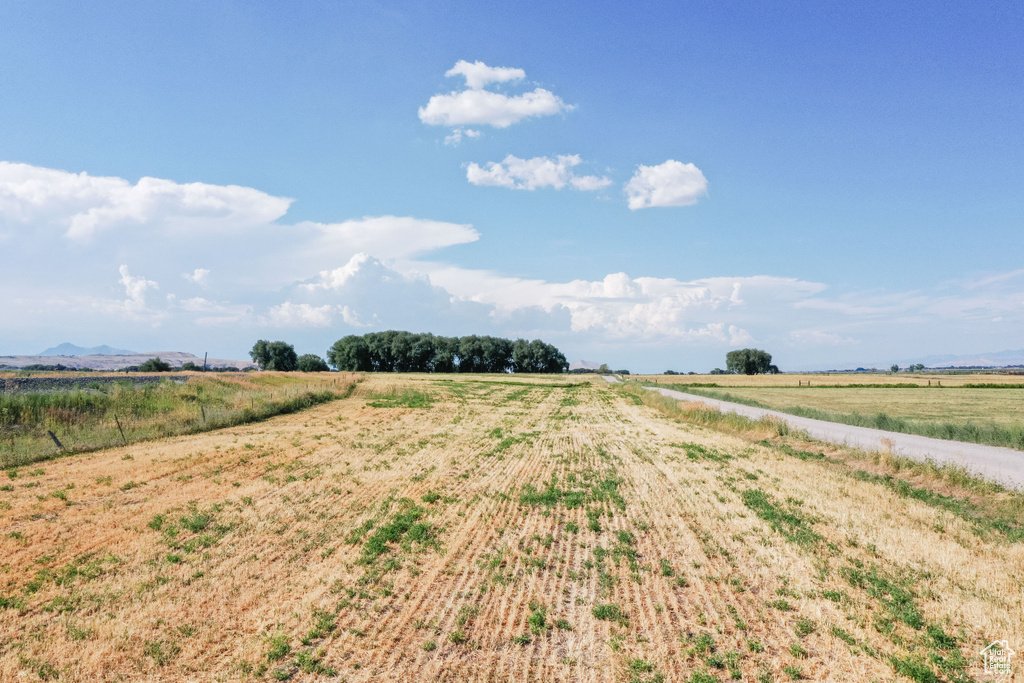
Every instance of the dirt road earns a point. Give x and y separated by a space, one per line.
1004 465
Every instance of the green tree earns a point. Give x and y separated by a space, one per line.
189 365
276 355
154 365
350 354
895 368
310 362
749 362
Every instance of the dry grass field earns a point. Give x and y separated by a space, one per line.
484 529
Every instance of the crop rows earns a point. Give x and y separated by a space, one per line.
481 529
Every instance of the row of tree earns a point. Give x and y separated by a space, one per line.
395 351
281 356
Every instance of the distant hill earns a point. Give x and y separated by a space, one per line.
68 349
111 362
584 365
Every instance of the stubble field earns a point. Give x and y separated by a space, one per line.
481 528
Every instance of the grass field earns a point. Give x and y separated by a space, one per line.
106 415
463 528
979 414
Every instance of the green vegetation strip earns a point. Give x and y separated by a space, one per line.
113 415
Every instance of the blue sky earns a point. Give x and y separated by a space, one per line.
648 185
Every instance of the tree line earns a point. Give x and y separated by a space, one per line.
395 351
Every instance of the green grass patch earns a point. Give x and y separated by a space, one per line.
407 398
577 490
788 520
405 529
610 612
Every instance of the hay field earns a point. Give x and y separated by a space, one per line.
796 379
461 528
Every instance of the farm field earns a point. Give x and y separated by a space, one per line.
843 379
479 528
978 414
938 404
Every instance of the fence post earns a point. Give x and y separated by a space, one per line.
55 440
120 430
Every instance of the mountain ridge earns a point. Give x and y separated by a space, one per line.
69 349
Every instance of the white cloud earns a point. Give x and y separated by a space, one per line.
84 205
672 183
350 317
476 106
479 75
530 174
336 279
619 306
198 276
290 314
486 108
135 289
456 136
383 236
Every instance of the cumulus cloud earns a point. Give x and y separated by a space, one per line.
335 279
620 306
84 205
530 174
351 318
291 314
198 276
486 108
479 75
135 289
672 183
478 107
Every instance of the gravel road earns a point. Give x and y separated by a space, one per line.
1004 465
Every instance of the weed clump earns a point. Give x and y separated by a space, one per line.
788 521
610 612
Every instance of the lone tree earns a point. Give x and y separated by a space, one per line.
155 365
310 362
750 362
276 355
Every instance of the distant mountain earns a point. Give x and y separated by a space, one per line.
584 365
67 349
111 362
